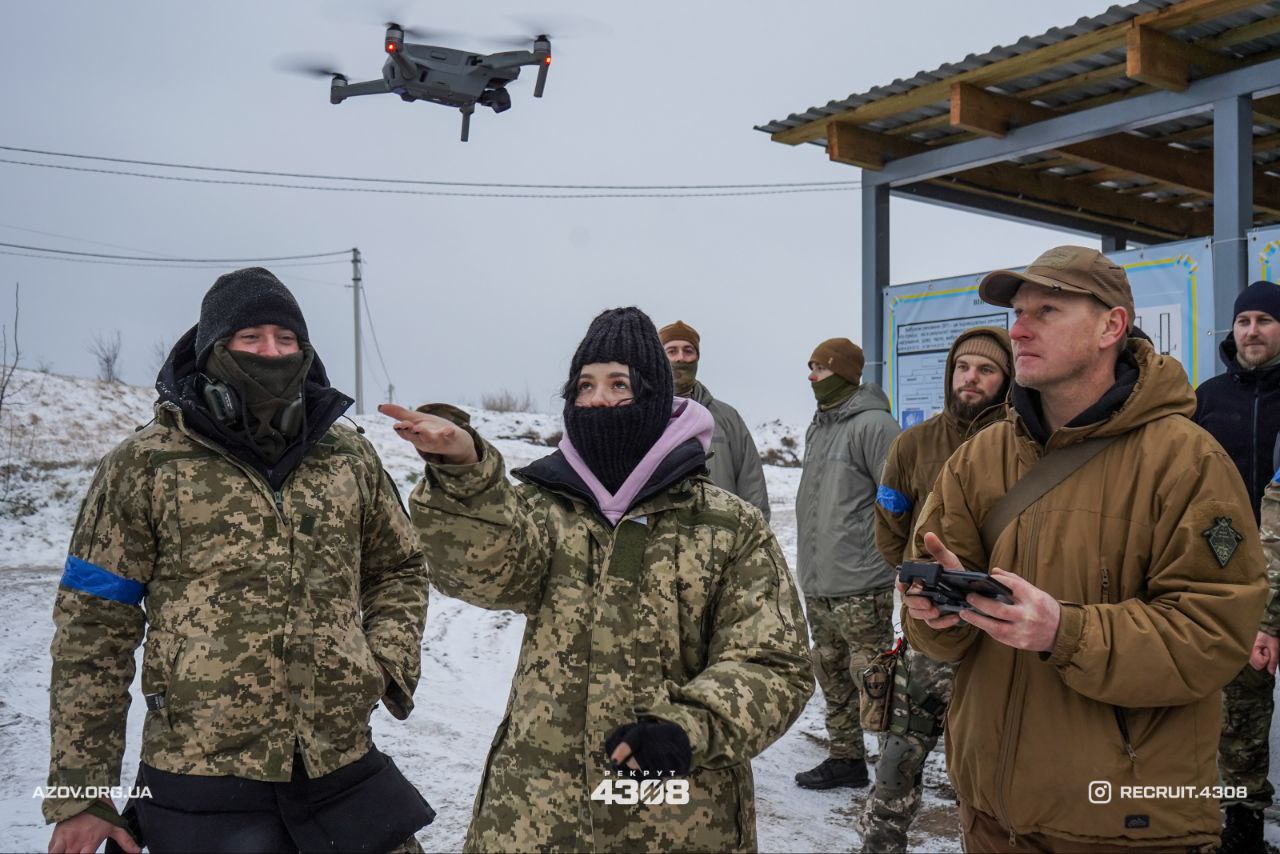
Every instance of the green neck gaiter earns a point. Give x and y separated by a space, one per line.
685 374
267 386
833 391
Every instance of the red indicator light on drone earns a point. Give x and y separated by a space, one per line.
391 47
547 61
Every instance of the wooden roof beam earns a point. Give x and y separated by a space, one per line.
1168 63
1050 192
1184 14
857 146
993 114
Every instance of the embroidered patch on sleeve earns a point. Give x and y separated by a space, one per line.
1223 539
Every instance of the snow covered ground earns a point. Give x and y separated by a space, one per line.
52 437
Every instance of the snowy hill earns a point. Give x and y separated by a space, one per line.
50 441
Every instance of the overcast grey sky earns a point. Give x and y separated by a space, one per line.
470 295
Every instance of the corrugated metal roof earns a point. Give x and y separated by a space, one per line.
1093 89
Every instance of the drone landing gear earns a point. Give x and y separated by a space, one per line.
466 110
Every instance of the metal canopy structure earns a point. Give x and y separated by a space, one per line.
1154 121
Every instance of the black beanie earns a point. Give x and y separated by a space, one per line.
613 440
1260 296
249 297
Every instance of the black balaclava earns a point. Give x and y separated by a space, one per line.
613 439
266 387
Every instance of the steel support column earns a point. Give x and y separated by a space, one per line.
1232 203
1112 244
875 277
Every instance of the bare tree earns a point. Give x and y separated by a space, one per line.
160 355
9 437
7 367
107 351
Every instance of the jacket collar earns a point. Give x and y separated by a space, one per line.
1148 386
1227 351
667 486
868 396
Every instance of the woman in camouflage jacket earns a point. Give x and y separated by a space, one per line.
664 645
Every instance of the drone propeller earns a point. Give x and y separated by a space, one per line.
310 66
420 33
564 26
521 42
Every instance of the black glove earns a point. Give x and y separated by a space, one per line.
655 745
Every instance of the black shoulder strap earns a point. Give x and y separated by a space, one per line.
1049 471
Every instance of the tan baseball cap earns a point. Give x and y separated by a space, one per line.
1076 269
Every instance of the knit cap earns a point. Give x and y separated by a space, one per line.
243 298
842 356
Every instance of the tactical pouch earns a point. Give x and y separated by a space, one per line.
875 690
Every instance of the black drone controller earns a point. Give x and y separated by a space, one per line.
947 588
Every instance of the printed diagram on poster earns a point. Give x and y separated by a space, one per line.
1163 325
922 360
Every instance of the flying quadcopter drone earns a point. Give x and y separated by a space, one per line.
443 75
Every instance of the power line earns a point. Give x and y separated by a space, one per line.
158 255
364 297
318 177
161 264
402 192
343 252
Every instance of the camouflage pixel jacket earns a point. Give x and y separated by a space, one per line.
685 612
266 614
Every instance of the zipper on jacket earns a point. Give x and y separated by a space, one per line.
1106 586
1013 714
250 473
1255 500
1124 733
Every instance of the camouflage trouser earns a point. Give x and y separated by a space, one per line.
848 631
1244 751
409 846
892 804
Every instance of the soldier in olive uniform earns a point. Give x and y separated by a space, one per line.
285 596
735 462
664 637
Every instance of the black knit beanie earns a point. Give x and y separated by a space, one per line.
612 440
1260 296
244 298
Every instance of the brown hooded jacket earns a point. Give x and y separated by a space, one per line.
1153 552
918 454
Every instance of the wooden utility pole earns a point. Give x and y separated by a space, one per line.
355 294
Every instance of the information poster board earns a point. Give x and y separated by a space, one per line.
1173 295
1264 254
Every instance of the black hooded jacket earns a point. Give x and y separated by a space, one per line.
1241 409
324 405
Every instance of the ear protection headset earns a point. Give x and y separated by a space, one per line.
224 405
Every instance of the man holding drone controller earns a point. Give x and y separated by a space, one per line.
285 596
1136 578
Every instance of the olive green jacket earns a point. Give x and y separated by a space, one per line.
735 463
